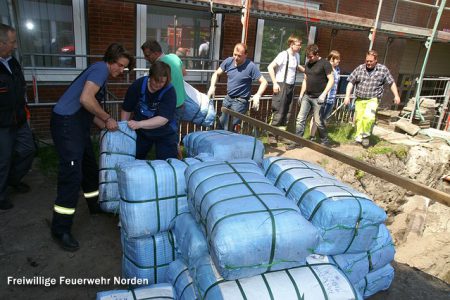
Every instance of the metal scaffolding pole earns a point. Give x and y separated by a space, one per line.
375 26
428 44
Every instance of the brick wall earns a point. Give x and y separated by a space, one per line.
115 21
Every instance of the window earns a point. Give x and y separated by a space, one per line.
4 13
46 30
182 31
274 39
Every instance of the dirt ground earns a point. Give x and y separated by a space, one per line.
27 251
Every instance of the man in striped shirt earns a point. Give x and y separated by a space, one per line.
369 80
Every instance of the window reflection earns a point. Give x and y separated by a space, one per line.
46 31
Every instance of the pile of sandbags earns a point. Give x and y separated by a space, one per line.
152 194
115 147
155 291
223 145
250 226
351 226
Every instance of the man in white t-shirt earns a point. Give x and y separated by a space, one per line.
282 71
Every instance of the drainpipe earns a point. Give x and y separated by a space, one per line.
246 4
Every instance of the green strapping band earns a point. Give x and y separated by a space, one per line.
145 267
150 200
156 194
212 286
155 258
267 286
293 183
299 201
294 284
176 187
293 168
171 240
214 164
199 210
355 233
179 275
118 153
272 218
233 198
274 162
254 143
118 130
319 281
133 294
106 182
185 288
241 289
107 169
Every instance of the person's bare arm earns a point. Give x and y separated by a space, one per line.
271 68
214 77
90 103
152 123
394 91
347 93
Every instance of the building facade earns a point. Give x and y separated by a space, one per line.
59 38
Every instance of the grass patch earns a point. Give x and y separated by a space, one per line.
384 148
341 133
359 174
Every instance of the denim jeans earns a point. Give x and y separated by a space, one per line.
307 104
239 105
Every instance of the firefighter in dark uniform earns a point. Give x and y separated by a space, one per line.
16 142
70 125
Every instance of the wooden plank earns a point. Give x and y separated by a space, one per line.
403 182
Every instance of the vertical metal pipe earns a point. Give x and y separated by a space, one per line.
444 105
375 26
395 11
428 45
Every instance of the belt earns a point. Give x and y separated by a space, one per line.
231 97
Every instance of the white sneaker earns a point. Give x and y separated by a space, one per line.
358 139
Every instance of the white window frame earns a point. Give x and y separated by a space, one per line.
141 36
47 74
259 38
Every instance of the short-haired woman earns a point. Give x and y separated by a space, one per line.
152 100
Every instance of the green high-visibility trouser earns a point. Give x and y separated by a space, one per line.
365 112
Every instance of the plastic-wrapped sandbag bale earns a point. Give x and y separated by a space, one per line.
180 278
190 240
279 169
224 145
311 281
152 194
347 220
376 281
383 251
148 257
250 226
115 147
161 291
198 108
357 266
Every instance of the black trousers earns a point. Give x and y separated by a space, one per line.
281 104
77 165
16 156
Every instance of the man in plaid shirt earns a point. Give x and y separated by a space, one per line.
369 80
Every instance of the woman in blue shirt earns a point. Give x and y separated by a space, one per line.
152 100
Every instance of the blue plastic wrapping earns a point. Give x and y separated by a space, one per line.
198 108
115 147
250 226
190 239
357 266
347 220
156 291
312 281
179 276
152 194
224 145
148 257
376 281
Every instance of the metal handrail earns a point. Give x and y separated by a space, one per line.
396 179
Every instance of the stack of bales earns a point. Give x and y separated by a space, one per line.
352 233
223 145
115 147
152 194
155 291
229 229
